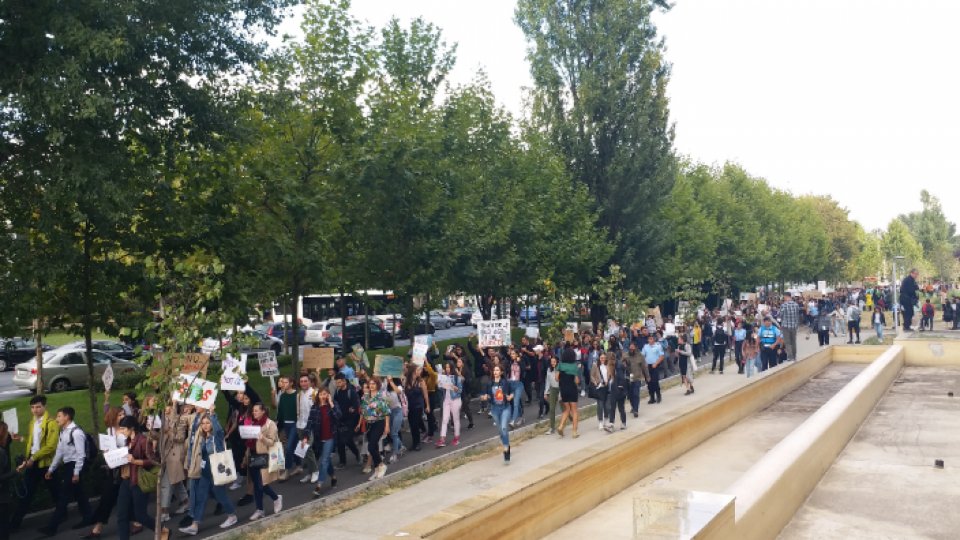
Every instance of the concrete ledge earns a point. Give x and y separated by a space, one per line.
859 354
682 514
528 508
769 494
932 351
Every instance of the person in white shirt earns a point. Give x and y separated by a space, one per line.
68 464
304 402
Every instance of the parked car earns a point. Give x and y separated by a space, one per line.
113 348
476 318
533 314
279 330
379 338
65 369
391 322
421 328
317 333
462 315
212 346
440 320
16 350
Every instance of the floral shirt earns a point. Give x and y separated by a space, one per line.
374 408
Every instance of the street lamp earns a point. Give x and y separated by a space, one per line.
896 299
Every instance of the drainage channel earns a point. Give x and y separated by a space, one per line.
718 462
887 482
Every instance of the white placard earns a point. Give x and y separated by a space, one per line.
108 377
494 333
533 332
268 364
116 457
249 432
233 372
445 382
10 418
421 344
107 442
301 450
195 391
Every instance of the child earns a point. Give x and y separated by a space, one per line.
927 320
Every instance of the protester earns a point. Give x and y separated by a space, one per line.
396 400
451 405
287 405
322 424
879 322
552 391
908 298
638 376
40 445
719 341
789 324
142 461
348 400
6 475
600 379
67 464
205 439
853 323
499 396
569 384
257 460
417 403
375 419
110 491
751 351
822 324
619 387
685 351
654 355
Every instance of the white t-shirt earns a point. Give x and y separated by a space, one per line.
304 402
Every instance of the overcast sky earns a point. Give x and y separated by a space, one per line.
858 99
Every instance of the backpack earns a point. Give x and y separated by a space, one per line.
89 448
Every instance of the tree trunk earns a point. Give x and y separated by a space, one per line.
38 338
283 320
295 324
87 320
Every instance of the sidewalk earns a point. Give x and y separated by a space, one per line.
388 515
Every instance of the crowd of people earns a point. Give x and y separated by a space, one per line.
377 420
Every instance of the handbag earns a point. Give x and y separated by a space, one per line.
276 460
222 468
147 478
257 461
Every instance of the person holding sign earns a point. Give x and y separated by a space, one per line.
286 404
257 451
108 496
131 498
451 404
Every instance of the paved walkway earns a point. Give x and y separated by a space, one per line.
388 515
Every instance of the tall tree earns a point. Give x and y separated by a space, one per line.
936 235
600 95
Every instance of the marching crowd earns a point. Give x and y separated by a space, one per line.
308 427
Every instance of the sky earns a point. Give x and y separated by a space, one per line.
856 99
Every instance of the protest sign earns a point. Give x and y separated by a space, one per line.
301 450
249 432
388 366
533 332
317 358
494 333
108 377
421 344
194 363
268 363
568 335
107 442
195 391
10 418
233 372
117 457
445 382
655 313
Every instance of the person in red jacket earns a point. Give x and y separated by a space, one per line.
927 312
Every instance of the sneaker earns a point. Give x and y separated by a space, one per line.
456 441
600 426
192 530
296 470
427 440
235 485
381 470
392 459
441 443
185 522
489 415
608 428
551 431
282 477
164 518
366 469
256 515
318 490
229 522
278 504
519 422
306 479
315 477
582 393
372 477
623 427
182 509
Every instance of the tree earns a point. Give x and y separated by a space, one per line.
899 241
600 97
936 235
843 234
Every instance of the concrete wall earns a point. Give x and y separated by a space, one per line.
769 494
931 352
528 507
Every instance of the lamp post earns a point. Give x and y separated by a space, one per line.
896 299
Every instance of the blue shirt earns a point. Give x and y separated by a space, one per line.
652 353
768 336
348 372
740 334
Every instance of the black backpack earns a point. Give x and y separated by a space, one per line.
89 448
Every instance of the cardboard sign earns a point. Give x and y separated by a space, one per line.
108 377
249 432
657 317
494 333
268 364
360 356
388 366
568 335
10 418
421 345
233 372
117 457
318 358
194 363
107 442
193 390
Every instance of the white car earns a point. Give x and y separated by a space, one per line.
317 333
212 346
65 369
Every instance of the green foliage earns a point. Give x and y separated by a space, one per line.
937 236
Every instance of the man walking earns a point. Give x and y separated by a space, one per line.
789 323
638 376
67 465
770 339
40 445
653 354
908 298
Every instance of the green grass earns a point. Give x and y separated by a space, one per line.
58 338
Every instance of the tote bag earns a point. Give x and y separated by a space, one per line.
275 460
223 468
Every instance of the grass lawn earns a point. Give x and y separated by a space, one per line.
58 338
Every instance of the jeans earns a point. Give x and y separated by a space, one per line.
502 414
256 474
635 396
200 490
617 400
516 388
790 340
67 490
879 328
396 422
602 393
131 497
752 365
738 354
326 467
291 459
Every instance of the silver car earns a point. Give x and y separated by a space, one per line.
65 370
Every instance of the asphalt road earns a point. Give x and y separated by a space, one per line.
293 492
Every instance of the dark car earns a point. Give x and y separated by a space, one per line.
403 333
113 348
462 315
16 350
532 314
379 338
284 331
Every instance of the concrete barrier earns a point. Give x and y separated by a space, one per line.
769 494
543 500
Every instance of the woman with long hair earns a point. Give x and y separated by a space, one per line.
375 418
130 498
499 395
751 351
322 424
685 351
601 375
415 389
206 441
451 405
111 489
569 387
174 434
257 461
551 392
